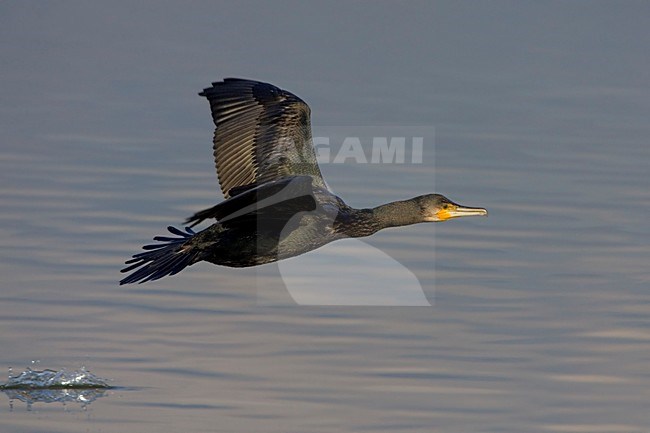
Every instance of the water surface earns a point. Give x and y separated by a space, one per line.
540 312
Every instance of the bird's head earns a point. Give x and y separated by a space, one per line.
436 207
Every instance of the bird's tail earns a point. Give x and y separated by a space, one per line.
169 257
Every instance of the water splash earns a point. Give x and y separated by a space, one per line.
49 386
52 379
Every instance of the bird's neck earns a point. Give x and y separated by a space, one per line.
365 222
397 213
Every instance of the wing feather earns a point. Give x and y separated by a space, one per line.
262 134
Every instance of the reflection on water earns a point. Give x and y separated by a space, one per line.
84 397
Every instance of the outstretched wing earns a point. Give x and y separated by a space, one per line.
262 134
293 192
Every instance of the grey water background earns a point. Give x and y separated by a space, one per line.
540 317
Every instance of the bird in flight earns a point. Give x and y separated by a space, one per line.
277 204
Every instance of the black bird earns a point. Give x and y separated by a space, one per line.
277 203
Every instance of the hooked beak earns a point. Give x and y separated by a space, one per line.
457 211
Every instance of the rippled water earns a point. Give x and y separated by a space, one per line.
540 312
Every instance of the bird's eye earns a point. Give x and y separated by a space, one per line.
445 206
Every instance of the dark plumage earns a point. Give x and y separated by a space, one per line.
277 204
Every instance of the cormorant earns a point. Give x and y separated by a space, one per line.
277 203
